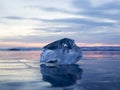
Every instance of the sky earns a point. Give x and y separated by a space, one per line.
35 23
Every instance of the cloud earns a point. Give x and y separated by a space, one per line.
35 21
94 22
99 10
97 3
51 9
47 29
99 34
49 6
14 17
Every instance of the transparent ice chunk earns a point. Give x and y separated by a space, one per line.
63 51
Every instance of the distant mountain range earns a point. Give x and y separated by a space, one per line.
103 48
21 49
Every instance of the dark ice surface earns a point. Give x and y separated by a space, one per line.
97 70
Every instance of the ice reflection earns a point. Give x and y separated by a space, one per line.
61 75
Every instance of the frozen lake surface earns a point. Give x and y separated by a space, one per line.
97 70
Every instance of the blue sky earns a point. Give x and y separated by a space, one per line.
38 22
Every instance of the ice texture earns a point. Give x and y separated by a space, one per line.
63 51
